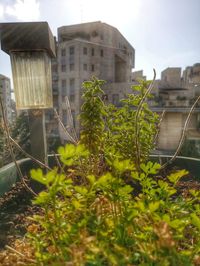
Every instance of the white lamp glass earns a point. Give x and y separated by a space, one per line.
32 79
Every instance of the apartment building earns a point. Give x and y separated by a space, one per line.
176 94
86 50
5 93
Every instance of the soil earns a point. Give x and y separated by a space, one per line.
15 207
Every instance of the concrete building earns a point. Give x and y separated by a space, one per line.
86 50
171 77
176 94
5 93
137 75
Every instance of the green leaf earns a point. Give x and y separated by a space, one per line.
176 176
37 175
105 179
91 178
76 204
176 224
195 220
122 166
126 190
81 190
42 198
153 206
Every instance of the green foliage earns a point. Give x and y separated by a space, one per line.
131 131
104 207
91 117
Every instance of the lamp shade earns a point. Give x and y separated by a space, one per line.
32 79
31 46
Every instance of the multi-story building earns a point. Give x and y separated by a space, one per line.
86 50
5 93
176 94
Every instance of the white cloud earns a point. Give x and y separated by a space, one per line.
24 10
1 12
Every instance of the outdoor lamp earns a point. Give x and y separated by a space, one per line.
30 46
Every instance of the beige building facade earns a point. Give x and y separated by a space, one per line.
176 94
86 50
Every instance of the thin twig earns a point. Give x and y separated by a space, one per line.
11 147
20 254
137 129
71 119
28 155
159 125
65 130
182 138
58 162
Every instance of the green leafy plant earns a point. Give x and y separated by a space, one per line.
109 205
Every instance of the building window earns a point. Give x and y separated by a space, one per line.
63 68
115 99
64 87
63 52
71 67
64 117
92 67
73 117
71 50
64 84
72 98
71 86
85 67
101 52
92 52
85 50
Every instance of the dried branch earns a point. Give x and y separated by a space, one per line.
11 147
137 129
57 160
182 138
70 118
159 125
20 254
65 130
28 155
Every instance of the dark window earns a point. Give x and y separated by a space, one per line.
71 85
64 87
92 52
115 99
64 83
63 68
65 117
63 52
101 52
85 50
92 68
74 117
71 50
71 67
85 67
72 98
54 68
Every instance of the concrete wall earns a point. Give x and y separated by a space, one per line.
171 129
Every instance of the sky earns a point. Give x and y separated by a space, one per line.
164 33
